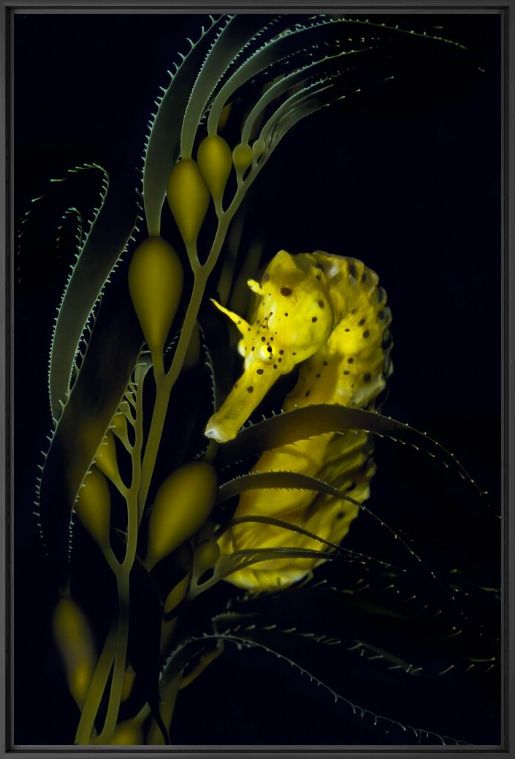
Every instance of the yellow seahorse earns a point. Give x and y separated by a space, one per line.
328 314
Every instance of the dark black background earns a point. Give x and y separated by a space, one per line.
410 183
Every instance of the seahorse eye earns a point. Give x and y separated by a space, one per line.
265 352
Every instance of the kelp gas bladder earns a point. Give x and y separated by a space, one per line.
121 455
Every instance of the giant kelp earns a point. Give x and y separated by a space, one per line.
169 532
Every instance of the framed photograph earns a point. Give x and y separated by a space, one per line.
257 284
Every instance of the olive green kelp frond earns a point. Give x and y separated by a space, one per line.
104 242
285 61
92 216
84 422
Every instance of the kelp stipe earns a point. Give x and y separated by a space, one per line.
162 525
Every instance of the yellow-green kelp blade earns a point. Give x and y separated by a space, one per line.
108 363
104 243
306 422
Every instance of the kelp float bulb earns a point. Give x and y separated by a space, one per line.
155 286
93 507
182 504
215 162
188 198
127 733
242 156
258 148
205 560
75 643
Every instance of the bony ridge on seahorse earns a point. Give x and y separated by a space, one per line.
328 314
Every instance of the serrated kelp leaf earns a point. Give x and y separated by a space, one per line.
257 519
162 149
381 54
400 640
285 43
303 423
104 243
314 36
289 480
44 224
270 633
108 363
293 480
236 32
299 76
45 227
247 557
383 722
298 105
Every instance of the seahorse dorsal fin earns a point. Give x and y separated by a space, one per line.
240 322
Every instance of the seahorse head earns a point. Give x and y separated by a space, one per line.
292 318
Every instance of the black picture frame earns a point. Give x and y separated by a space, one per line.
506 11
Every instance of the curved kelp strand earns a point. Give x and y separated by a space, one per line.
293 480
375 720
303 423
236 32
263 633
246 557
374 587
348 554
379 65
300 36
328 88
60 191
276 523
104 244
280 87
162 145
83 189
289 42
295 107
109 361
441 662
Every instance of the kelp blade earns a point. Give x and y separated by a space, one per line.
109 361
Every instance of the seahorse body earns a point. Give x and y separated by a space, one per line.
347 364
